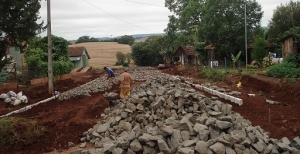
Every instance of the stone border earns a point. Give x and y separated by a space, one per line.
219 94
28 107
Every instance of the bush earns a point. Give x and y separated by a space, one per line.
3 76
213 74
20 132
289 68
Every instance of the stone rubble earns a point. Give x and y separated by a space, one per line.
164 115
13 98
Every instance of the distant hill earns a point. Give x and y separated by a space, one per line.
135 36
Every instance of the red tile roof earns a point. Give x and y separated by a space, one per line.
76 51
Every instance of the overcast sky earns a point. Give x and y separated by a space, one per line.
110 18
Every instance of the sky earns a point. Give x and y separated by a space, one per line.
72 19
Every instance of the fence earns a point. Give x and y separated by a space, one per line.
25 75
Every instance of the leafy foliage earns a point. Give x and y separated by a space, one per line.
220 23
86 38
149 53
213 74
126 39
284 18
18 23
20 132
289 68
120 58
259 51
3 76
235 58
37 57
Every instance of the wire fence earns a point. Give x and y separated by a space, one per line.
23 75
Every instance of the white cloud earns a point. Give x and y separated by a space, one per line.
103 18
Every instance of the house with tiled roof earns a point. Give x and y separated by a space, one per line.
185 55
79 56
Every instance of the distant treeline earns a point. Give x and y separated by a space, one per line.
126 39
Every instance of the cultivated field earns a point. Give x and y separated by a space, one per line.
104 53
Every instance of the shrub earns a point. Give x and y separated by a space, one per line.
19 132
213 74
289 68
3 76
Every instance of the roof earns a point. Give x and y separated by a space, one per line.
188 50
209 47
78 51
286 37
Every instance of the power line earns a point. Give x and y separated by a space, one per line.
144 3
115 16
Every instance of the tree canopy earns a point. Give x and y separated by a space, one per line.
126 39
18 23
149 53
220 23
284 18
86 38
37 58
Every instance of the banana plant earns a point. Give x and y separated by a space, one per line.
235 58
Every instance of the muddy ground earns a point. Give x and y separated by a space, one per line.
66 120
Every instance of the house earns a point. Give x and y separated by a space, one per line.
79 56
289 45
212 57
185 55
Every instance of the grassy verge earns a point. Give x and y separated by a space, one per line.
20 132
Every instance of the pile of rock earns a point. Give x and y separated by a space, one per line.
14 99
99 84
166 116
103 84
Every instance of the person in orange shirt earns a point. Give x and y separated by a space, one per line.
126 81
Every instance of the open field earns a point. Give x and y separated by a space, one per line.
103 53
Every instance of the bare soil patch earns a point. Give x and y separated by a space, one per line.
67 120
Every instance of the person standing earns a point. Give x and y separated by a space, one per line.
126 81
110 72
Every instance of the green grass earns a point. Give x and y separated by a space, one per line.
20 132
214 75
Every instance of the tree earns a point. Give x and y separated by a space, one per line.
86 38
126 39
259 52
121 57
148 53
220 23
18 23
223 24
37 58
284 18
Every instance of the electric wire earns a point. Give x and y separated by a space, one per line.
144 3
115 16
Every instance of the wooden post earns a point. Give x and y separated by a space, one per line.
50 72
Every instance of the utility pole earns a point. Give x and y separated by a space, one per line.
50 72
246 36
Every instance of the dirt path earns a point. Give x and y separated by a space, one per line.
67 120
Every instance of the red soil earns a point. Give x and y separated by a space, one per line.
66 120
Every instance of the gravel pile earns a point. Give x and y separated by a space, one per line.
167 116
